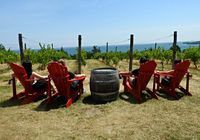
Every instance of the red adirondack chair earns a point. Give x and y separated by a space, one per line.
60 76
29 94
176 76
145 73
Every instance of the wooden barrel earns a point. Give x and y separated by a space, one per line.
104 84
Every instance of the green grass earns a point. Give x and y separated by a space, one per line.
120 119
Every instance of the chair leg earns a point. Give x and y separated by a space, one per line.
69 102
151 93
73 98
19 95
137 97
184 91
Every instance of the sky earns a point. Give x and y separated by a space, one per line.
98 21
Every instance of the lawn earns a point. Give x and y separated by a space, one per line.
165 118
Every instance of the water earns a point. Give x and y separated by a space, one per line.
125 48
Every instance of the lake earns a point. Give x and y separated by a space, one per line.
125 48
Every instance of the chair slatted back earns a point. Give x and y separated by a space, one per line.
146 71
179 71
58 73
21 75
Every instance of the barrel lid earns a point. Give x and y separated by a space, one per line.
104 70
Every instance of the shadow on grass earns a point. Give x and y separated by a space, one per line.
10 102
128 97
89 100
16 102
56 103
164 95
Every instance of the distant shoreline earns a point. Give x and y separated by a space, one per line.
122 48
192 42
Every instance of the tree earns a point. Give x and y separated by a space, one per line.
95 50
92 53
2 47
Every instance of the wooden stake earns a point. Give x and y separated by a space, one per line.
131 53
21 48
174 49
79 54
107 47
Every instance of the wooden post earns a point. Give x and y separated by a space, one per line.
174 49
21 47
79 54
116 49
155 46
107 47
25 46
52 46
131 52
14 87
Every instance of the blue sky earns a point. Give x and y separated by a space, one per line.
98 21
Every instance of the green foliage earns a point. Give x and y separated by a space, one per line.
193 54
115 60
159 54
30 55
167 54
136 54
45 55
83 56
91 54
177 48
147 53
99 55
179 55
7 55
111 57
2 47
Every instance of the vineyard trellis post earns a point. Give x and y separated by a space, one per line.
106 47
155 47
116 49
21 47
25 46
174 49
79 54
131 52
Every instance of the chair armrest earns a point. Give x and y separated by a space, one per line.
125 74
67 76
164 73
81 78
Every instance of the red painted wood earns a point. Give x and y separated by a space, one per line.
146 71
28 93
180 70
60 76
